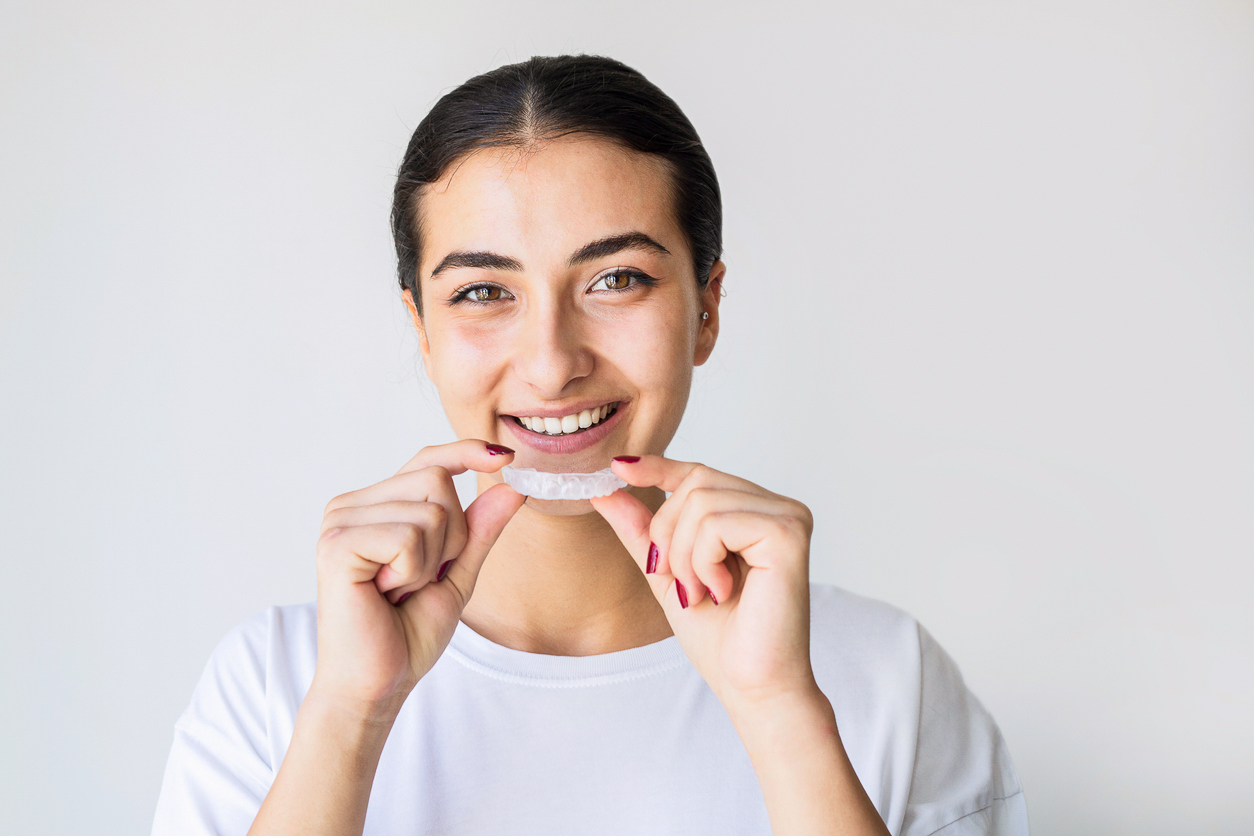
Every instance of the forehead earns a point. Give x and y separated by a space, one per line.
540 203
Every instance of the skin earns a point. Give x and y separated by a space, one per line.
565 578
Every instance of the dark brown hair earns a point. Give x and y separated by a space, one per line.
549 97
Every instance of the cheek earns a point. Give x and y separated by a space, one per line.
465 362
653 348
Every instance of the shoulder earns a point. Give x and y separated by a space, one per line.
277 636
833 607
266 660
867 660
876 645
861 643
232 736
929 754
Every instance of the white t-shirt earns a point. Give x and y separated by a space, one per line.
499 741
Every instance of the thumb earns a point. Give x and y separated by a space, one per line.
630 519
486 518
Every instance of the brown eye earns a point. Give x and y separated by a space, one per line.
480 294
622 279
484 293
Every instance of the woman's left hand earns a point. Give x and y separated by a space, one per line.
719 538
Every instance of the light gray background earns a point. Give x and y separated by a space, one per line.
990 313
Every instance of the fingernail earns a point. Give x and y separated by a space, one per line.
683 594
498 449
651 566
443 570
627 459
710 592
403 598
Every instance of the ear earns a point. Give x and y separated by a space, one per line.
423 345
710 297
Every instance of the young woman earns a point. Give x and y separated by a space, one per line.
634 663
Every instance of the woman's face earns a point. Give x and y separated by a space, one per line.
556 283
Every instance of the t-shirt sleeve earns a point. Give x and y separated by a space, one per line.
219 769
963 782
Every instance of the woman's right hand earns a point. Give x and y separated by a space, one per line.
386 611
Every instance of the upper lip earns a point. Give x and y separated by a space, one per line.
561 412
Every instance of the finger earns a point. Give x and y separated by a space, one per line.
381 512
431 484
486 518
710 559
459 456
442 490
679 478
669 474
764 541
431 518
357 554
451 459
376 504
698 505
630 518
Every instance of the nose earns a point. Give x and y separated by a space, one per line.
552 353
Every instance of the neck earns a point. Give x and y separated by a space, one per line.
564 586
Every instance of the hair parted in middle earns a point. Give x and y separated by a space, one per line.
544 98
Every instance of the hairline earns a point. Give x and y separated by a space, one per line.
532 144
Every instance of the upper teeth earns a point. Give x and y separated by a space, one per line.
568 423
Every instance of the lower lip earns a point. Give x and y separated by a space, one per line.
572 443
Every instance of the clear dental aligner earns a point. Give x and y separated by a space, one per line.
531 482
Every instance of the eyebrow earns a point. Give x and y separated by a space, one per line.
482 260
588 252
616 244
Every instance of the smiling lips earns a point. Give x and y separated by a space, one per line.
568 424
568 433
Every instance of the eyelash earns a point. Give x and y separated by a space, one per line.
462 295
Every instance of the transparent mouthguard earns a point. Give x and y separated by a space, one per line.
531 482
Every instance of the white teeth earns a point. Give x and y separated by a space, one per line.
567 423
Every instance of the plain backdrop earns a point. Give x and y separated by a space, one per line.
990 313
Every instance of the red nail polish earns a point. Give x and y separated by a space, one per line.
627 459
498 449
403 598
682 593
710 592
651 566
443 570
